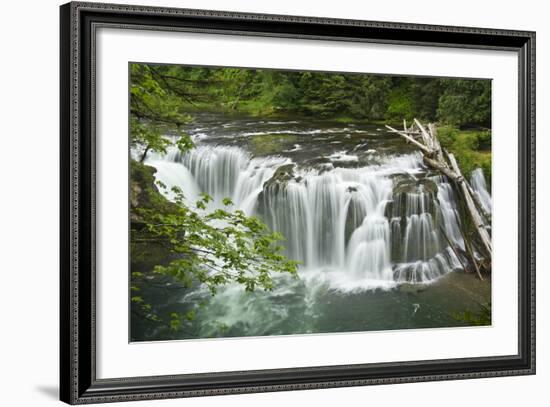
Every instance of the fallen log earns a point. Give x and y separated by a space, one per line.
435 157
412 140
479 224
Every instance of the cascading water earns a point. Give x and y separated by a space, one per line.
449 211
371 226
357 208
333 219
480 188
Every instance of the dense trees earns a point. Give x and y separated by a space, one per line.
465 102
330 95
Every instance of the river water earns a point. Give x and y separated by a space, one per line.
369 223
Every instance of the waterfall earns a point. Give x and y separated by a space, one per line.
315 210
374 225
480 188
449 211
221 171
421 209
173 174
216 170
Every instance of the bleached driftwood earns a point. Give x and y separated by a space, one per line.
479 224
437 158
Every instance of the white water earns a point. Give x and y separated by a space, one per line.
174 174
346 225
480 188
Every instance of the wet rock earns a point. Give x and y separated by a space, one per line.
282 175
409 184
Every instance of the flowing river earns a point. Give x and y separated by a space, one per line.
369 223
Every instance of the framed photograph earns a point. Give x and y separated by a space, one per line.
255 203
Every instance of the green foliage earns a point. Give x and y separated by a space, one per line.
447 135
197 245
471 148
217 247
329 94
465 102
169 89
400 106
480 318
177 319
484 140
153 110
413 97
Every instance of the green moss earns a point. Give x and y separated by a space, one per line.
477 318
270 144
355 120
484 140
144 193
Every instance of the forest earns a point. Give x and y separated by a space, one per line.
324 94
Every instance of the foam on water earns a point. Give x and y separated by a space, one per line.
347 226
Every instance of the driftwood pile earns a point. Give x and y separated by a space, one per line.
441 160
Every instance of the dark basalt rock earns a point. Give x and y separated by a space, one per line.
282 175
144 193
412 185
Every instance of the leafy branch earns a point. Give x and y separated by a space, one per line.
217 247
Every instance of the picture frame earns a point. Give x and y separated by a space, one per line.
79 382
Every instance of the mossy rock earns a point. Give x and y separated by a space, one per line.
411 185
144 193
271 144
282 175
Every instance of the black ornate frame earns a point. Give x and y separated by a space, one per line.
78 380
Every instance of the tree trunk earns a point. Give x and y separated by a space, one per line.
476 217
434 157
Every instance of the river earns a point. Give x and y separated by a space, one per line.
369 223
